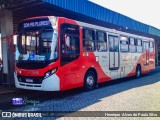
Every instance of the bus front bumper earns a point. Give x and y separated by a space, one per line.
52 83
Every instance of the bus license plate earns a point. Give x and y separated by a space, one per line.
29 80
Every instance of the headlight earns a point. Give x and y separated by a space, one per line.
49 73
20 79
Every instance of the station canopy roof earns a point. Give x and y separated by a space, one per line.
81 10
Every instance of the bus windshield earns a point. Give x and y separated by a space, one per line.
37 45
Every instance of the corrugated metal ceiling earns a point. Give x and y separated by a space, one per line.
95 11
81 10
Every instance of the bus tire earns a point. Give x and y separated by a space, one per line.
89 81
138 71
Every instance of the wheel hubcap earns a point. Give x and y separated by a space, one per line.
90 80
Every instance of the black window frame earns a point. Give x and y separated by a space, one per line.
93 39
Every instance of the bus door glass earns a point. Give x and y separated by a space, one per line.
146 52
113 52
70 45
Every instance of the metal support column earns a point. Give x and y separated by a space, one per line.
6 27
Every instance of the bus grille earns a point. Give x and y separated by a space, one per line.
36 80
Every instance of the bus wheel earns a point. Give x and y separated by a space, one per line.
89 81
138 71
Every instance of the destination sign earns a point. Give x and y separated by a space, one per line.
42 23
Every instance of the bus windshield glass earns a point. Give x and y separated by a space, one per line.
37 45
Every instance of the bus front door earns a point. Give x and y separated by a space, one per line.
70 52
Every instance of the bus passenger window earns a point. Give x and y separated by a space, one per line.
101 41
102 46
124 44
151 46
145 46
139 46
88 39
132 47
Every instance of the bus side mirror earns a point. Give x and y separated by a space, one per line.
12 41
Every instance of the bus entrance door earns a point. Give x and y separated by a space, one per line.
113 52
70 52
113 56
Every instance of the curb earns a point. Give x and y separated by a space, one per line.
6 92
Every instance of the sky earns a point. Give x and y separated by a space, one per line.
145 11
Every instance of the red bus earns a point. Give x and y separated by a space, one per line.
57 54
